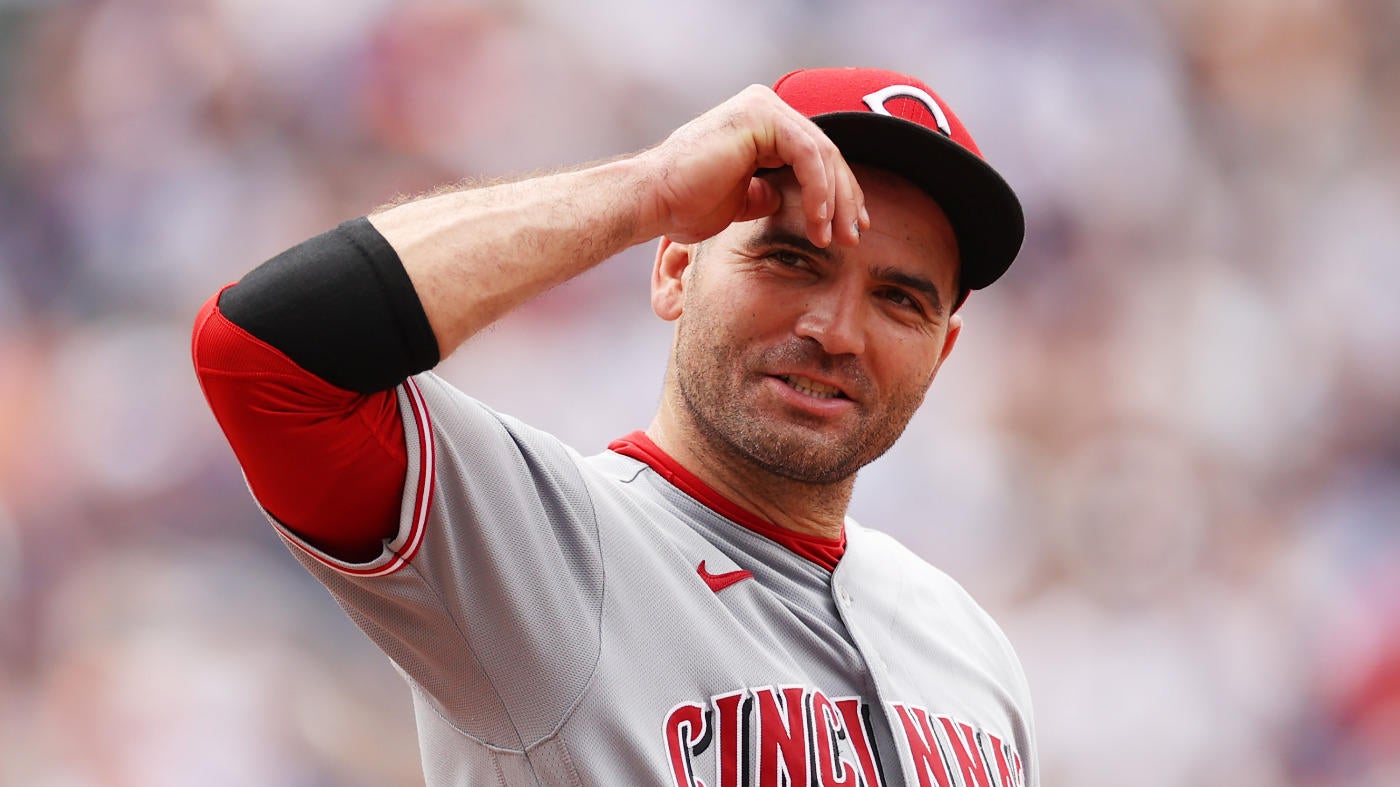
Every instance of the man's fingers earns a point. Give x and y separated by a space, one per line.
832 201
799 147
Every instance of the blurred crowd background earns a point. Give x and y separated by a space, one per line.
1166 455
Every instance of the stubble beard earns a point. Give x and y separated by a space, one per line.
720 408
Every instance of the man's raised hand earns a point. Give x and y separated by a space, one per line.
702 176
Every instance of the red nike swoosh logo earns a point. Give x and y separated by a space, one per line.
718 582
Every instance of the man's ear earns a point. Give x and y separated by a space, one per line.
955 324
672 260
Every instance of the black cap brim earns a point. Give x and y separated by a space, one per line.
984 212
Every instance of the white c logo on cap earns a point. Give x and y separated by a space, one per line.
876 102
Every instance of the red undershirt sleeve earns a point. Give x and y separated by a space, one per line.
327 463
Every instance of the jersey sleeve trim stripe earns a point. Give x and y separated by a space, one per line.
400 551
427 464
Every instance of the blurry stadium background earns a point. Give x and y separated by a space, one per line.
1166 455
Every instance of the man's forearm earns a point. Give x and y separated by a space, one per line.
475 254
378 299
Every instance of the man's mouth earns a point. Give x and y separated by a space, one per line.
810 387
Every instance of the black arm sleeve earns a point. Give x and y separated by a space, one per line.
341 306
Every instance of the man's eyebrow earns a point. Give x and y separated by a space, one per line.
782 236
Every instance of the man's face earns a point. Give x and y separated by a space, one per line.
809 362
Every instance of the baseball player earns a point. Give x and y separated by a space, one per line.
691 606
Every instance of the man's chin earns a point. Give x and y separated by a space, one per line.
804 455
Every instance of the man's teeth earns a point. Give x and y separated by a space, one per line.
812 387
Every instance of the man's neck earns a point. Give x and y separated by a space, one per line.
810 509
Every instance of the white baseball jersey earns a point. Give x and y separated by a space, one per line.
564 620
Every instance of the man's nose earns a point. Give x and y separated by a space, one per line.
834 318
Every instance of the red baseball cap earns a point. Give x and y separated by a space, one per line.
895 122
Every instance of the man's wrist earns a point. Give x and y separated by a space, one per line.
640 182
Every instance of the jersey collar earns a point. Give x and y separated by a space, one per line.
825 552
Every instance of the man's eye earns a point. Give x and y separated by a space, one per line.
901 298
788 259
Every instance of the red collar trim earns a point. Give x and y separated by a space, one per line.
825 552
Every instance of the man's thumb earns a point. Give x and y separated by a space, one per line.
761 199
